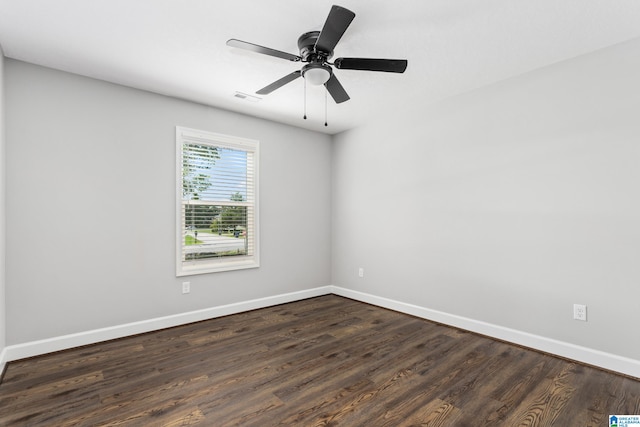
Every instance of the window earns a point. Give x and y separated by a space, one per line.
217 202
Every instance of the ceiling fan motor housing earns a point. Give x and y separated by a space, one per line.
317 71
307 46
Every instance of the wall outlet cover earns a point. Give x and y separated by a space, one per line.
580 312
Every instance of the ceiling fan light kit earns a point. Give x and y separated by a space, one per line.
316 74
316 49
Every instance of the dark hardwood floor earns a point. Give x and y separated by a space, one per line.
326 361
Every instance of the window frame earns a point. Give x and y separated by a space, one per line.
225 263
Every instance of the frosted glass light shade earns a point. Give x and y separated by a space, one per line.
317 75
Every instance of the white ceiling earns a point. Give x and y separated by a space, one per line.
177 47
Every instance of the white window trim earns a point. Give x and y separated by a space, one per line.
183 135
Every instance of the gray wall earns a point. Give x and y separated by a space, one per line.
505 205
2 212
90 206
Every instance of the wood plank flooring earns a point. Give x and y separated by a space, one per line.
326 361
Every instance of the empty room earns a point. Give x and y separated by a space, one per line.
303 213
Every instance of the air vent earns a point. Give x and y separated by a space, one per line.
247 97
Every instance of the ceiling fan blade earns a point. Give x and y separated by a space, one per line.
261 49
371 64
279 83
336 90
336 24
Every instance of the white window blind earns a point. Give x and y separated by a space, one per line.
217 209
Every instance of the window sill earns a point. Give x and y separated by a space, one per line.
204 267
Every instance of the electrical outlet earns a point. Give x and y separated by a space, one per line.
361 272
580 312
186 287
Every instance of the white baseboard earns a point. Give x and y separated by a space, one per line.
36 348
586 355
578 353
3 361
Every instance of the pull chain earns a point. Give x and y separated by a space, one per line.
325 108
305 104
305 99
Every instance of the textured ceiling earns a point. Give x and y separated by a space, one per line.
177 47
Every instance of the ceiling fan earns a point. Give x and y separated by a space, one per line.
316 48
